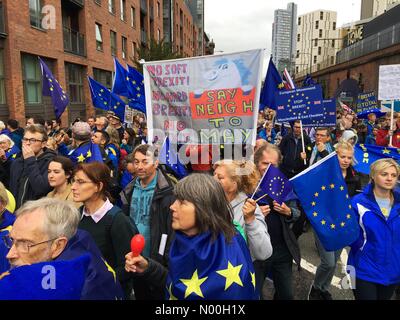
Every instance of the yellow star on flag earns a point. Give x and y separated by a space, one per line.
333 226
253 279
348 216
332 186
315 214
386 151
316 194
232 275
323 188
89 154
81 158
14 156
313 204
193 285
323 222
343 224
341 188
109 268
171 296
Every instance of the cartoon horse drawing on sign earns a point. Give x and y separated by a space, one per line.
226 74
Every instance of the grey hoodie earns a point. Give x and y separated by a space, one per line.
258 239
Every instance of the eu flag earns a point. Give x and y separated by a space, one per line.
327 118
104 99
52 88
85 153
299 104
308 81
137 98
275 184
13 153
322 192
365 155
52 280
273 83
201 268
120 80
169 157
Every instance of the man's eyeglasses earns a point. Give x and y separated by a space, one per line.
22 246
31 141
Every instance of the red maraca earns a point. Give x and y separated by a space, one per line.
137 244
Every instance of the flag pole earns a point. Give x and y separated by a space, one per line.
302 140
391 124
259 183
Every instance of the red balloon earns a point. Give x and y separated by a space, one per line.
137 244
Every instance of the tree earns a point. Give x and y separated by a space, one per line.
154 52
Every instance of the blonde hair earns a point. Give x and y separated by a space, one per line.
4 137
114 135
244 173
381 165
3 195
345 145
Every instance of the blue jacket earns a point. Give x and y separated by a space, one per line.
376 253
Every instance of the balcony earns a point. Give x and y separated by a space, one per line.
143 37
143 6
2 22
79 3
74 42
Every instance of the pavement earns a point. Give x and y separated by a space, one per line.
303 279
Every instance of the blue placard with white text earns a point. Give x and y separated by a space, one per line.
327 119
300 104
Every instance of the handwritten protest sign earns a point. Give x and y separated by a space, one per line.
389 82
214 96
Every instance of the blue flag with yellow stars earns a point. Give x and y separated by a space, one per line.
51 280
273 83
12 153
120 84
137 98
323 195
104 99
201 268
53 89
308 81
365 155
275 184
299 104
169 157
85 153
327 117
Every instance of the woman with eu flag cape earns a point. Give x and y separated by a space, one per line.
209 259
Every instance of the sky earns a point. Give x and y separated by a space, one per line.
240 25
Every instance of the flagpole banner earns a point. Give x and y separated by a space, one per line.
366 101
326 119
214 98
299 104
365 155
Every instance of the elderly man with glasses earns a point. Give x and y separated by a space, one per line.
28 174
47 230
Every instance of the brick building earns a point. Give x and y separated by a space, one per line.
75 38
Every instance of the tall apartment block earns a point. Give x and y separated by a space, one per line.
284 32
317 41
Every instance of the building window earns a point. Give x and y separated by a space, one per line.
158 9
99 38
31 79
315 42
334 25
75 83
123 10
332 60
113 41
320 33
298 53
111 6
321 16
316 25
333 43
298 37
319 51
103 76
134 50
133 17
2 80
315 59
35 12
297 69
124 47
299 21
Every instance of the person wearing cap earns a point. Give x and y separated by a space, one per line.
28 174
115 122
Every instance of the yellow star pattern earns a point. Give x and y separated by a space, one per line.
348 216
313 204
386 151
81 158
342 224
171 296
323 222
232 275
193 285
88 154
341 188
316 194
111 270
333 226
332 186
315 214
323 188
253 279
